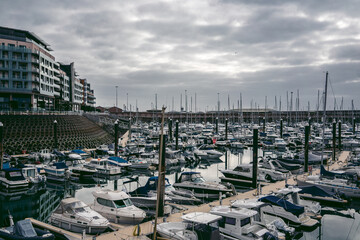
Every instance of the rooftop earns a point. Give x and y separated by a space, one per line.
22 35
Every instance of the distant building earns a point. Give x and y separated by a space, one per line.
31 79
114 110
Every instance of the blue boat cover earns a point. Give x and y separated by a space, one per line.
60 165
315 191
25 229
189 173
11 169
78 151
288 206
118 159
6 165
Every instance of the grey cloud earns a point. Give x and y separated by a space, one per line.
148 47
348 52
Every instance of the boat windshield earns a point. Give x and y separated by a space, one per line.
197 178
123 203
30 172
82 209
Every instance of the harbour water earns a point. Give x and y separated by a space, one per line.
39 202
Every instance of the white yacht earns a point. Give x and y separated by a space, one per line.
57 171
240 224
194 182
12 178
196 225
117 207
75 216
103 167
280 143
32 175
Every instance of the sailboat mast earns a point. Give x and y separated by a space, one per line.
324 120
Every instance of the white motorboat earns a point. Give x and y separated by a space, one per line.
244 172
343 187
81 173
145 196
193 181
117 207
138 163
57 171
292 215
237 145
75 216
196 225
118 162
32 175
176 230
280 143
211 152
103 167
240 224
12 178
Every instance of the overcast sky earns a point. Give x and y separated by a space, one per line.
258 48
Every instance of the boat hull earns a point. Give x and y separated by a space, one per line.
74 226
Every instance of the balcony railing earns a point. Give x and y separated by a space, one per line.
16 49
17 90
35 70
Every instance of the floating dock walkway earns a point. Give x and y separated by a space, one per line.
147 227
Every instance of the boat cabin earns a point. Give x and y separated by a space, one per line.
12 174
238 222
206 225
191 177
112 199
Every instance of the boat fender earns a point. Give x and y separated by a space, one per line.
137 230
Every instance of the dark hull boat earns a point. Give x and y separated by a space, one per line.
24 230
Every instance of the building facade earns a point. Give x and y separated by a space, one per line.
31 79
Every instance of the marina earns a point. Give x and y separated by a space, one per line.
181 120
122 190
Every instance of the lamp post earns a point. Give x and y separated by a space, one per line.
116 87
55 135
255 156
116 126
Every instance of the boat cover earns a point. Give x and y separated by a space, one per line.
6 165
315 191
325 173
78 151
288 206
151 185
60 165
24 228
118 159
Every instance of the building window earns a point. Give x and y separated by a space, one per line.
18 84
4 84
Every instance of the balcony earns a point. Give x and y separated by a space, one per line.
36 70
15 90
36 79
4 67
16 49
37 52
35 61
